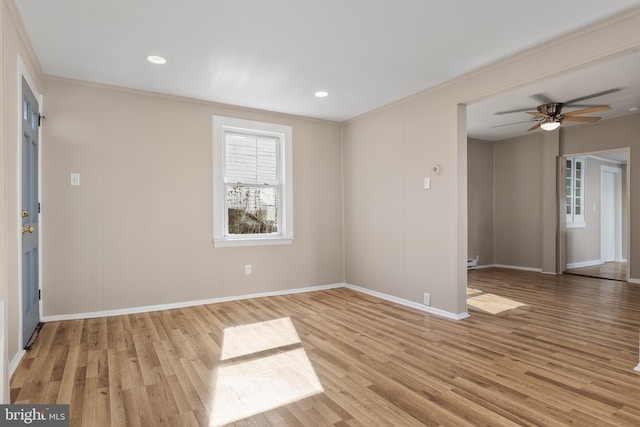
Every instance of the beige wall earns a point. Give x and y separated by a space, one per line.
13 45
518 206
421 236
138 230
480 170
614 134
519 197
400 238
374 195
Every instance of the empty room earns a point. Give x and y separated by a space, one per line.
293 213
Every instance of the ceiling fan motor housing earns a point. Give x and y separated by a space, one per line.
552 109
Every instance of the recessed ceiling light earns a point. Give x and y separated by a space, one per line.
634 108
158 60
321 93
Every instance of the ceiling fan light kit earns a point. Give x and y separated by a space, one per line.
550 125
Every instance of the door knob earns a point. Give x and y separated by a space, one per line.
29 229
25 214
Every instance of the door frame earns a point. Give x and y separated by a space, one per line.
561 242
23 72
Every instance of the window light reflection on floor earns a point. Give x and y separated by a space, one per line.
491 303
261 378
255 337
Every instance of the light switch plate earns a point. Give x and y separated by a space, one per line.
74 178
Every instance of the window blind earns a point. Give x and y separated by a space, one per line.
251 159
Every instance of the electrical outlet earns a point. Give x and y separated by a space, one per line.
427 299
247 269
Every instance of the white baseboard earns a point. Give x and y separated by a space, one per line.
584 263
517 267
513 267
159 307
634 281
408 303
478 267
16 361
637 368
170 306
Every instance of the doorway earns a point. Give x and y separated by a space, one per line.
595 204
611 214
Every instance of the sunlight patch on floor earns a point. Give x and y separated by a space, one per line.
493 304
255 376
254 337
473 291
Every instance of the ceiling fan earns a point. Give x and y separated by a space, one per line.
549 114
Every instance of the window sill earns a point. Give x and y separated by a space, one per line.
226 242
577 225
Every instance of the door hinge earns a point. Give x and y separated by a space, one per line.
39 294
40 118
38 207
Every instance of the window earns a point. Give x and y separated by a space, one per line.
575 191
252 183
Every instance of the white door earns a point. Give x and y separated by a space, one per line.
30 214
608 217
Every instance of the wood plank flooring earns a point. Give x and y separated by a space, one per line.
564 358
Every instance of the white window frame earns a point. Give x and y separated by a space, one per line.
284 133
575 220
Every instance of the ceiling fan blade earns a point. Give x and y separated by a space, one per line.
534 127
515 123
542 98
587 110
513 111
536 113
593 95
581 119
583 105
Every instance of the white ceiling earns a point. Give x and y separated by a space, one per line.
275 54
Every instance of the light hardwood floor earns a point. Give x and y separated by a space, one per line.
564 358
